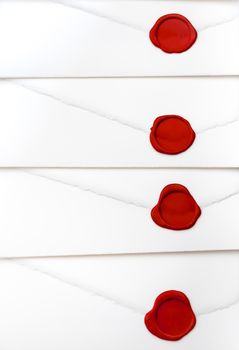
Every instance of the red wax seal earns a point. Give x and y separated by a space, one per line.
171 317
173 33
171 134
176 208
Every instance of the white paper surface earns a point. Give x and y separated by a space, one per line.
78 212
106 122
100 302
111 38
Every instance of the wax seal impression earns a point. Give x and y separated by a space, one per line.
173 33
171 134
171 317
176 208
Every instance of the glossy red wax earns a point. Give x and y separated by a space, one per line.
171 134
171 317
173 33
176 208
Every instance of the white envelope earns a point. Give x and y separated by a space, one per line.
72 38
82 212
106 122
100 302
